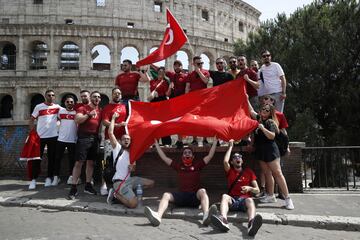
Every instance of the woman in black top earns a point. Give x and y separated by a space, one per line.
267 152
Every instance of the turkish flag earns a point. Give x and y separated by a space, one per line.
222 111
31 151
174 39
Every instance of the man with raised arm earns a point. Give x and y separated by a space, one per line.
241 183
190 193
123 183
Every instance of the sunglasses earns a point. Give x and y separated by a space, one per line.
266 109
266 55
241 60
219 63
232 62
200 63
51 95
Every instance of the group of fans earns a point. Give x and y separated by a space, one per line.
77 129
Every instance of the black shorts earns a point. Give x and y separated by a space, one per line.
185 199
267 152
87 148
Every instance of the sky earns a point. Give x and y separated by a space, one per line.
268 8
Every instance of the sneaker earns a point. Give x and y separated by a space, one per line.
153 217
220 222
55 181
69 181
103 190
179 145
289 203
90 189
47 182
254 225
110 196
268 199
32 184
207 215
73 193
200 144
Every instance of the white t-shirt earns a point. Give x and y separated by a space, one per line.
68 127
271 75
46 116
122 165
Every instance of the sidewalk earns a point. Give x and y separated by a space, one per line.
333 210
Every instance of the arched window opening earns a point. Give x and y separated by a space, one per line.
69 56
6 107
38 57
100 58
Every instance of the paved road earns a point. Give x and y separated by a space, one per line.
38 223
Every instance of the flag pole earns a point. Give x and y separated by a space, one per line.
191 49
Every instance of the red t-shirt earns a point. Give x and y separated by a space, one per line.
91 125
250 90
128 83
195 81
179 80
245 180
107 114
282 120
188 177
161 86
76 107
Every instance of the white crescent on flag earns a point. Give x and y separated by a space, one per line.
171 36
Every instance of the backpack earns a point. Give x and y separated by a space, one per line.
110 167
282 142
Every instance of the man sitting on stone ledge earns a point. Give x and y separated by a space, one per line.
190 194
241 183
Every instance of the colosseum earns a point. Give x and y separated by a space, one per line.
56 44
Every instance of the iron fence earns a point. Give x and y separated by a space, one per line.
331 167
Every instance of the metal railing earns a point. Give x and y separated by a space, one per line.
7 62
331 167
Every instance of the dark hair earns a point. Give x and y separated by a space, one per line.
265 51
196 58
95 92
49 90
127 61
178 62
115 88
70 96
161 68
82 91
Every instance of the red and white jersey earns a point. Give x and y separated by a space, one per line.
68 127
46 116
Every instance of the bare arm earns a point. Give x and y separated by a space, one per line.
227 156
144 77
106 123
201 75
208 157
187 88
80 118
162 155
269 134
112 138
283 86
254 84
32 123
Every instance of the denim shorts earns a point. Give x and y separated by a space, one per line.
238 204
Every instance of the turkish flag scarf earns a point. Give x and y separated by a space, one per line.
222 111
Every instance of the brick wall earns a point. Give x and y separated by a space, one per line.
150 165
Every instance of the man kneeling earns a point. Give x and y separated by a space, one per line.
190 194
241 183
123 183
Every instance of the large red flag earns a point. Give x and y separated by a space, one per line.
174 39
221 111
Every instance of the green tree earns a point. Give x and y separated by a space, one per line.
319 48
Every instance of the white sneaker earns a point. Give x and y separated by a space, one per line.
200 144
69 181
32 184
55 181
268 199
289 203
47 182
103 190
153 217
